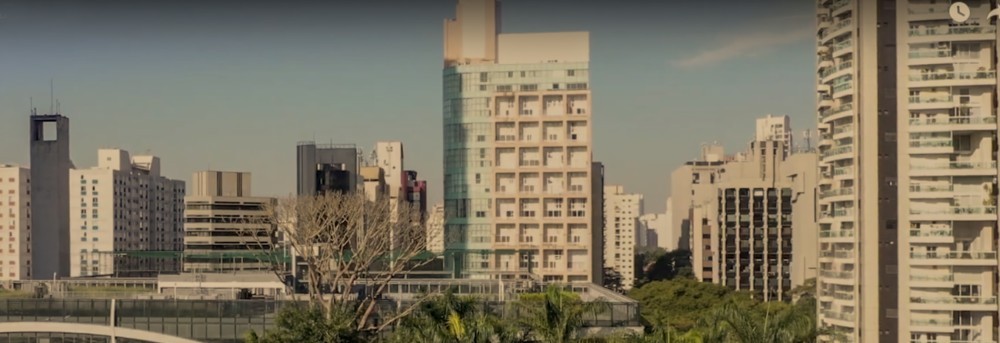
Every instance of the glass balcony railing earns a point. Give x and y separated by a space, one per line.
955 299
953 121
842 45
918 188
929 54
836 234
841 171
836 5
843 128
957 210
845 316
930 322
964 255
932 278
928 10
836 110
836 192
836 275
937 143
838 151
836 254
931 233
951 30
843 65
931 99
836 213
842 87
965 75
955 165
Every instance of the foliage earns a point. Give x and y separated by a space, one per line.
678 303
351 249
453 319
310 325
558 316
666 266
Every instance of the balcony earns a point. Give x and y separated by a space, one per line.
839 5
931 102
928 13
843 47
840 255
836 235
956 213
954 169
931 325
824 101
840 316
981 78
836 193
954 302
838 153
836 112
838 213
985 258
842 172
981 123
931 146
958 33
836 275
842 89
931 233
919 191
836 30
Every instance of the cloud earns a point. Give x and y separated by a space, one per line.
745 44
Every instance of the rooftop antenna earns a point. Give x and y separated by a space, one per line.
57 107
52 97
31 102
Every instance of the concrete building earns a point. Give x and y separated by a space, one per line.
775 128
857 121
125 217
15 223
375 186
50 165
764 236
622 232
517 151
225 228
389 157
947 203
435 230
693 185
856 108
415 193
327 168
658 228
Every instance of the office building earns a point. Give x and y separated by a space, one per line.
226 229
856 109
15 223
693 185
50 165
517 151
435 230
127 219
622 232
375 187
389 157
327 168
947 138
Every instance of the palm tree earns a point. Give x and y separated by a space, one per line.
556 317
740 324
452 319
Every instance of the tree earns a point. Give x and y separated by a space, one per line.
613 280
309 324
349 250
668 266
781 324
558 316
452 319
678 303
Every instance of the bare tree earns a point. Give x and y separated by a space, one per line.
344 243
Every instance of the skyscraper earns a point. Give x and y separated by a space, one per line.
856 107
15 222
517 147
326 168
947 141
50 165
622 231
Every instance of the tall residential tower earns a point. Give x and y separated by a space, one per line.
517 151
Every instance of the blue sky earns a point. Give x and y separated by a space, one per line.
234 85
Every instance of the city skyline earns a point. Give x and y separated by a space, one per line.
153 83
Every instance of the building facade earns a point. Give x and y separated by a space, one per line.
622 232
946 95
693 185
327 168
15 223
225 226
50 161
517 151
856 111
126 219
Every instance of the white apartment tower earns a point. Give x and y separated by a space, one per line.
775 128
15 223
125 218
948 173
389 157
856 114
621 231
517 151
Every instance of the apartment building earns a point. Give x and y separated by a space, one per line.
15 223
517 151
856 108
764 238
693 185
225 226
622 232
655 226
946 95
435 229
126 219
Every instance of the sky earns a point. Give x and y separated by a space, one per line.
234 85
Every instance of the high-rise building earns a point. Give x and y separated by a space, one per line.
375 187
126 219
435 230
947 140
15 223
517 151
50 165
693 185
327 168
416 194
856 106
389 157
622 231
225 227
775 128
761 234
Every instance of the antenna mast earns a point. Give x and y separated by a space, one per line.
52 97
